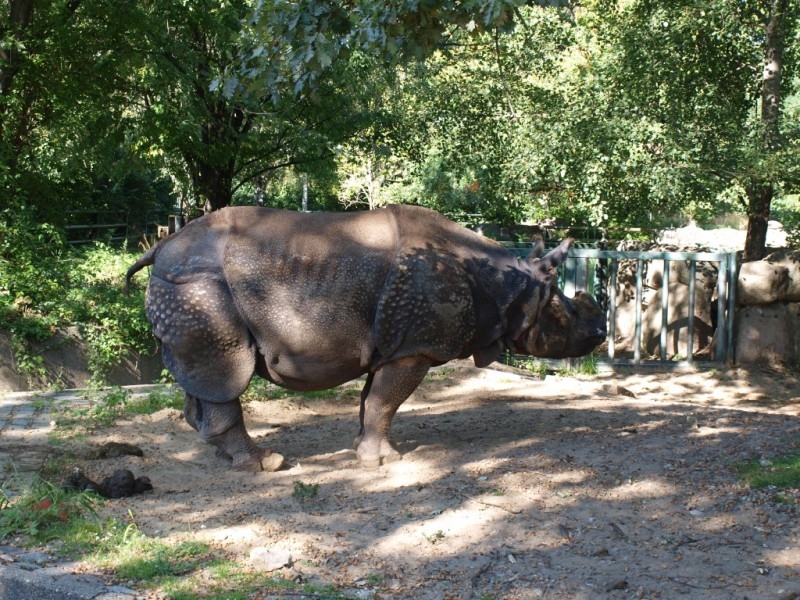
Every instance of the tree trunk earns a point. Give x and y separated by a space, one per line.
761 191
212 177
213 184
759 199
20 17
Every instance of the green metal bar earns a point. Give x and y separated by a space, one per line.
664 310
690 333
612 308
570 276
631 255
722 303
637 337
730 323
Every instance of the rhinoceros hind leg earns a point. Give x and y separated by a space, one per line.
383 394
222 425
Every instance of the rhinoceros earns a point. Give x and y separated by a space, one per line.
312 300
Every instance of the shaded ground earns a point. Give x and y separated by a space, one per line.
610 486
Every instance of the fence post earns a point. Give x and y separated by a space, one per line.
637 339
690 332
612 309
664 309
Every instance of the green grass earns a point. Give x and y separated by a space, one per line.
38 513
261 389
527 363
305 491
781 472
131 555
586 365
31 507
108 406
439 373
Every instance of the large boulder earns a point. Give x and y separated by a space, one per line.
776 278
761 282
706 274
768 333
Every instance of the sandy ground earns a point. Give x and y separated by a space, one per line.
608 486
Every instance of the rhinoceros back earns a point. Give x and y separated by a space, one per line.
307 286
426 303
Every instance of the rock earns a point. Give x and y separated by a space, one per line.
652 278
766 334
679 272
622 584
118 589
622 391
761 282
29 462
38 558
269 559
776 278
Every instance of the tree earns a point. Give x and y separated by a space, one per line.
64 73
475 122
772 15
295 43
699 72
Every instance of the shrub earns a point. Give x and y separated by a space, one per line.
46 285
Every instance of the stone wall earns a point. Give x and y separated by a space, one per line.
768 312
66 365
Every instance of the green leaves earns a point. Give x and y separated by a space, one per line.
46 286
307 37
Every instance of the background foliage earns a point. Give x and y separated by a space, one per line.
604 112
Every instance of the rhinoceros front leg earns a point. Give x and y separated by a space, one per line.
222 425
382 395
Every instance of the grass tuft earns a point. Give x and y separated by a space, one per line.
781 472
34 507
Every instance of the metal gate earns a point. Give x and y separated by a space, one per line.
579 265
596 272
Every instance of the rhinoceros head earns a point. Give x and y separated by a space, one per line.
555 326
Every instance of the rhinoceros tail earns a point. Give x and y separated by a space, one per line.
145 260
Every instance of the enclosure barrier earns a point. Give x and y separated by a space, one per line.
576 272
582 271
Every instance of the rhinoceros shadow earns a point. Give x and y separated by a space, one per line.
580 483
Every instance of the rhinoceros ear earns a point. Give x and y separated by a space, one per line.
551 261
537 249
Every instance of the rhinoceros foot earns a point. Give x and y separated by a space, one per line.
376 454
222 425
254 461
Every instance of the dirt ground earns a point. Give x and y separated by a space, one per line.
618 485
